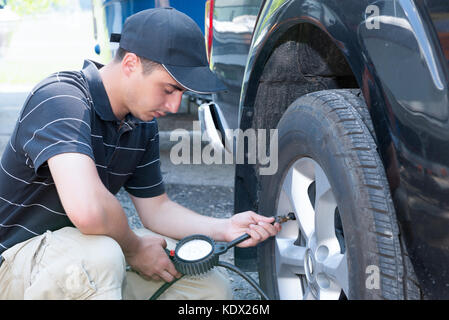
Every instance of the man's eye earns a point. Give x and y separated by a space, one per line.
168 92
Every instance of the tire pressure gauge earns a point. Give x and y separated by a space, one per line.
197 254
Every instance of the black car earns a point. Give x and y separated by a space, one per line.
358 92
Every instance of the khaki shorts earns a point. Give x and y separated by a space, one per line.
66 264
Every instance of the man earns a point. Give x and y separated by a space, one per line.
80 137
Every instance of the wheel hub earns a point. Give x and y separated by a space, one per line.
310 269
309 265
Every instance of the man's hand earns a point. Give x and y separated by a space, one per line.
257 226
151 261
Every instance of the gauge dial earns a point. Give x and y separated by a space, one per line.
194 250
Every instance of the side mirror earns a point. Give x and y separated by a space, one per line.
214 124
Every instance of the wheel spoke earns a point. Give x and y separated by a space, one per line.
289 258
295 188
336 268
289 229
325 206
328 294
289 288
308 295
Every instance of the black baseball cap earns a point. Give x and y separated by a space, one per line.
172 39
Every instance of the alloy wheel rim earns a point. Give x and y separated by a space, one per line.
310 260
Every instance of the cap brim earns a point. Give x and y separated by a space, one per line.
197 79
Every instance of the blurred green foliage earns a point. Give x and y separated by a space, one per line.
27 7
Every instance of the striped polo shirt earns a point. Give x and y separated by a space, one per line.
71 112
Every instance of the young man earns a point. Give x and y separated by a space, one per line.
80 137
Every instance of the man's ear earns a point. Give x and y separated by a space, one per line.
131 64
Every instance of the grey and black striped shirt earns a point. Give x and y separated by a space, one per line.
70 112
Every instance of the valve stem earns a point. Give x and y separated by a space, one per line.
285 218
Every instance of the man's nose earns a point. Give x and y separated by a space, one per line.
174 102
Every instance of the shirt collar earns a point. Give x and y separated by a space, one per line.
97 90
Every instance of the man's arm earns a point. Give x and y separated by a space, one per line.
87 202
94 210
162 215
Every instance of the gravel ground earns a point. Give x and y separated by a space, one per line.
216 201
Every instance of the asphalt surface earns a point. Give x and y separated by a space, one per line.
206 189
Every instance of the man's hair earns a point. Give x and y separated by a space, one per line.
147 65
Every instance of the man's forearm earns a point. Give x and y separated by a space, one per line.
168 218
176 221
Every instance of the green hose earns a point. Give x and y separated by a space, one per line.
229 266
162 289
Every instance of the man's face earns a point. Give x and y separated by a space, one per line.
153 95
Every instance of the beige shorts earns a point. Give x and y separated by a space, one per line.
66 264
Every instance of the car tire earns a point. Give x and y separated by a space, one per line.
345 241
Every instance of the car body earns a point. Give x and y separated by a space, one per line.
396 52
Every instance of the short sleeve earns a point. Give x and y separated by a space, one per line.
147 181
55 120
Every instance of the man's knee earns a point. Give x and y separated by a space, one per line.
220 285
103 261
105 254
77 266
99 252
215 285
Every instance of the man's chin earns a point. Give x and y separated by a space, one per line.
147 117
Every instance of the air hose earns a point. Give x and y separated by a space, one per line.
227 265
198 254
